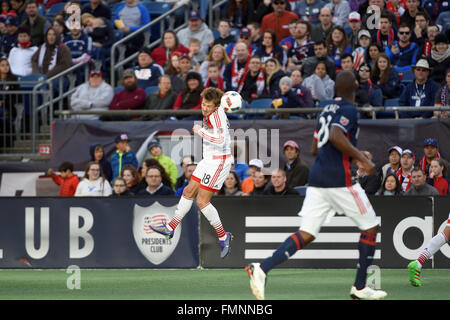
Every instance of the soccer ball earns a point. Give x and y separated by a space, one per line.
231 101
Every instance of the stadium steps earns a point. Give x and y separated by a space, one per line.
23 146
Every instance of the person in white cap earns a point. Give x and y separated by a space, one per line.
354 22
297 171
255 165
359 54
395 153
421 92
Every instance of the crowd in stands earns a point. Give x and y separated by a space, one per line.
405 58
120 175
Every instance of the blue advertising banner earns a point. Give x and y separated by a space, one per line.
94 233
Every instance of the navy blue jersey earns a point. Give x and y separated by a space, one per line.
331 169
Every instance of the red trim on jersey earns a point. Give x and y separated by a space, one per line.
346 163
222 156
217 118
205 136
348 173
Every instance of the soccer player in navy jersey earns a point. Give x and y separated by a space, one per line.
331 190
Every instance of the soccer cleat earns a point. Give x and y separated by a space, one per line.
257 280
414 274
367 293
162 229
225 245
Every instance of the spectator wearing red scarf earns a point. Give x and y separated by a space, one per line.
406 167
386 35
437 177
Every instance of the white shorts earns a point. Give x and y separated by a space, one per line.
211 173
321 203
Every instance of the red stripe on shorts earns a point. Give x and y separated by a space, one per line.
362 208
216 175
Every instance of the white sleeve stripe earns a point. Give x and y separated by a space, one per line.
340 126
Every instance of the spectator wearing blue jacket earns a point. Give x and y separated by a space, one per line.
147 72
129 17
9 39
402 53
385 77
122 156
419 93
269 48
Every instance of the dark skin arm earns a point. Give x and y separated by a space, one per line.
340 142
314 148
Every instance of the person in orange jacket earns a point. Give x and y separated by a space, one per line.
67 181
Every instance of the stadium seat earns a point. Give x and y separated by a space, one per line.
54 10
41 11
391 102
156 9
235 32
301 190
117 89
263 103
216 34
150 90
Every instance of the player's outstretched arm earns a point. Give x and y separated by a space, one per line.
340 142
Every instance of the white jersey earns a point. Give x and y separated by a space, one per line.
216 135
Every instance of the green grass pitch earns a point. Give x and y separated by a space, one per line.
212 284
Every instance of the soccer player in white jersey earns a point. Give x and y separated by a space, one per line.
415 267
331 189
211 171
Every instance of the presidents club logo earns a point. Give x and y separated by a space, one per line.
154 246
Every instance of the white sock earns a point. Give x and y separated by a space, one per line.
183 207
210 212
432 247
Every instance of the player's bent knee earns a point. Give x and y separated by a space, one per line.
373 229
307 237
190 190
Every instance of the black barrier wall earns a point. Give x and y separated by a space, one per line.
115 233
260 225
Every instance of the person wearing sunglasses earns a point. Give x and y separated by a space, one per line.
368 93
278 20
403 53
